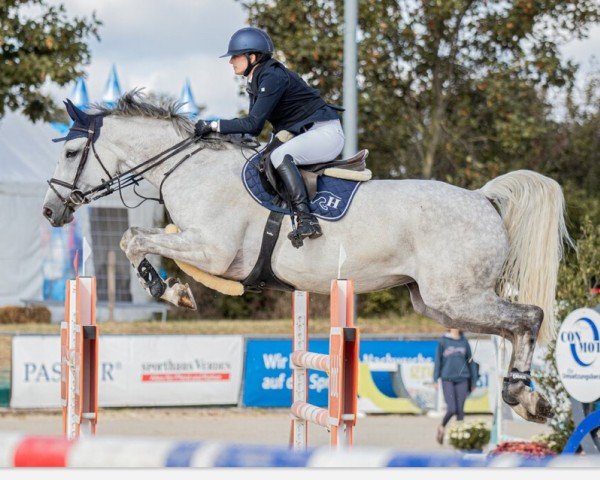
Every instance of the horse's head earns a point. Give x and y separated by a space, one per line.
84 163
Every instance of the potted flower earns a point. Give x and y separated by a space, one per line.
469 437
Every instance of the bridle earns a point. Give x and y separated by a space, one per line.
133 176
77 196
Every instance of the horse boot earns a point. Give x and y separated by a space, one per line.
308 225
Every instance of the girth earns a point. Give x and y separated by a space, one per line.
262 277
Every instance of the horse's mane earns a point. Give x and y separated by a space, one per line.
134 104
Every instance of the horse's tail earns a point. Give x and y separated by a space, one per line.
532 207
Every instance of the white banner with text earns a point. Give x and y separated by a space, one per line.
135 370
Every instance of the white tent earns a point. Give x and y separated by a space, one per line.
27 252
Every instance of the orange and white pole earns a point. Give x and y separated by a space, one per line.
341 365
79 359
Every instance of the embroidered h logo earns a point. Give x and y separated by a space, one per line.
327 201
332 202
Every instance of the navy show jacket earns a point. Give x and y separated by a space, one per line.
282 97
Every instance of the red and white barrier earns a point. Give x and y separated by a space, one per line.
79 359
341 365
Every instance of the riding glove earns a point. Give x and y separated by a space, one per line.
202 128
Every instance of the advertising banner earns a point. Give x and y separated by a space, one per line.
268 374
135 370
395 376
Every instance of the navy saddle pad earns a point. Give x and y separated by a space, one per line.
331 202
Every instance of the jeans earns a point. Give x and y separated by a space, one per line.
455 395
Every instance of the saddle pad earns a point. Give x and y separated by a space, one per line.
331 202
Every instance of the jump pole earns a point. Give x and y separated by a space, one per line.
341 365
79 359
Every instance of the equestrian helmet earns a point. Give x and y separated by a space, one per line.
249 40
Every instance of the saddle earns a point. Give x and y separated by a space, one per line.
353 168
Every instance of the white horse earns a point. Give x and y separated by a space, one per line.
453 248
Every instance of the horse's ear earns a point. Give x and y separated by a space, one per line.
77 115
70 109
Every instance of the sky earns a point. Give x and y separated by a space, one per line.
158 44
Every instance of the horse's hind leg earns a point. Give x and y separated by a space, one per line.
485 312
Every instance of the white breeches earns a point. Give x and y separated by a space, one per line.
321 143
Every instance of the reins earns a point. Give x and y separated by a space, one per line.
134 175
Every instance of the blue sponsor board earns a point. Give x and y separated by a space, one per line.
268 375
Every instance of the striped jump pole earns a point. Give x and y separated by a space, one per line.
21 450
341 365
79 359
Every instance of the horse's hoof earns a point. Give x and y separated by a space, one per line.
524 413
186 299
542 406
534 408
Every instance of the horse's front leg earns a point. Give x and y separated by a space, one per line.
188 247
133 231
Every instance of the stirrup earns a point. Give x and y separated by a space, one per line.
295 237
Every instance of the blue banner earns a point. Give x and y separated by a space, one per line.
268 375
417 352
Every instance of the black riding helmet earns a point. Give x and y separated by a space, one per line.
250 40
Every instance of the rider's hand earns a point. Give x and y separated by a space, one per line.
202 128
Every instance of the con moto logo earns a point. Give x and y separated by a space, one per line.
583 347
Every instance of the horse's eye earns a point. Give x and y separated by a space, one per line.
71 153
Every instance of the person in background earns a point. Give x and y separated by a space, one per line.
452 366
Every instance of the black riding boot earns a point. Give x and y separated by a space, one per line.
308 225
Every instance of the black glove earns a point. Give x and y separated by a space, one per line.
202 128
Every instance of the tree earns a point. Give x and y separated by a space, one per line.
451 89
39 43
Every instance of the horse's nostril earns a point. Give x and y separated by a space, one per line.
47 211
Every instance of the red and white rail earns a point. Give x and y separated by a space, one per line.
79 359
341 365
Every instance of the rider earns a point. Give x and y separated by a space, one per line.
280 96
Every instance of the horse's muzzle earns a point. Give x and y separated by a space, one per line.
55 220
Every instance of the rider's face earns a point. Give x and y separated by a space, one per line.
239 63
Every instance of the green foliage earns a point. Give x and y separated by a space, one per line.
577 276
573 152
39 43
394 301
580 272
554 441
455 90
30 314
